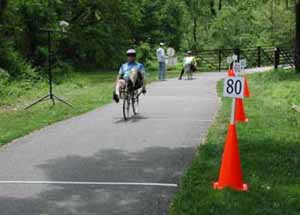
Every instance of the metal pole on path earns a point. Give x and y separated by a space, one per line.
259 56
220 59
276 58
232 120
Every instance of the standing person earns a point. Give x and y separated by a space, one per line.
188 60
161 58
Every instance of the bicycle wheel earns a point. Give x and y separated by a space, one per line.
126 107
135 103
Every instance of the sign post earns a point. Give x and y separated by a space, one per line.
229 61
231 171
237 68
234 88
234 57
243 65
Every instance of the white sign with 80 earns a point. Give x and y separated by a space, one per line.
234 87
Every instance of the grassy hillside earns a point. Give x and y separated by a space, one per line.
270 153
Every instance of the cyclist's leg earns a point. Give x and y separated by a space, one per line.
181 74
121 83
139 81
134 79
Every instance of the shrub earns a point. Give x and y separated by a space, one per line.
145 53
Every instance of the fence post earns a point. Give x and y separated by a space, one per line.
220 59
297 39
199 62
259 56
276 58
237 52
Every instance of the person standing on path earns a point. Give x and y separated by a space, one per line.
161 57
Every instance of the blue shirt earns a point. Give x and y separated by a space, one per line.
126 69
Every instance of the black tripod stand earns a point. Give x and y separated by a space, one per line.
50 96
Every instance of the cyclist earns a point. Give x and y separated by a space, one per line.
189 60
131 74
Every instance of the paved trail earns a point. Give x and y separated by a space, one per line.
155 147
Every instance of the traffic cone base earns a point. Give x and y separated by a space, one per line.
216 186
244 120
231 171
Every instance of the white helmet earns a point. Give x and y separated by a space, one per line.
131 52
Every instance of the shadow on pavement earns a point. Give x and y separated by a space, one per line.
159 165
135 118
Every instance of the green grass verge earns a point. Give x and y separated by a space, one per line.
270 153
84 90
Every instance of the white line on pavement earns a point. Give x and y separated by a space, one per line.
91 183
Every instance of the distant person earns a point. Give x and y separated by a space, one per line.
189 60
161 58
131 73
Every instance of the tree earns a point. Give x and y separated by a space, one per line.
200 12
101 30
172 23
3 4
297 38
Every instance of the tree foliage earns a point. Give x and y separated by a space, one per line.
101 30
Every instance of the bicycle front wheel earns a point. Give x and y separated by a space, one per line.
126 108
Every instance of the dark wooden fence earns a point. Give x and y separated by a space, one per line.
215 60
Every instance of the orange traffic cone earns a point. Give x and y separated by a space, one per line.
231 73
240 115
247 91
231 171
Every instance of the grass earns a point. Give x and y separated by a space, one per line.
270 153
85 90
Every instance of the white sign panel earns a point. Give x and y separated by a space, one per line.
229 60
234 87
237 68
171 52
235 57
243 63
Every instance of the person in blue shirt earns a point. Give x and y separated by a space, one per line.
131 73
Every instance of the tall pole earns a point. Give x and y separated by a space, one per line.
233 107
50 65
297 37
50 96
